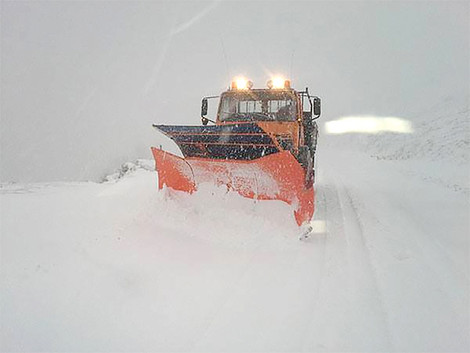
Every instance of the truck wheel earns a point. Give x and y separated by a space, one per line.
306 160
309 171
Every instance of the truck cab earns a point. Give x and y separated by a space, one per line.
285 114
261 144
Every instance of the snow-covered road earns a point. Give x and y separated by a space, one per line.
118 267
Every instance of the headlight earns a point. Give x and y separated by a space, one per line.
278 82
241 83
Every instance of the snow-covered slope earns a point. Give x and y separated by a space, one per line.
440 133
443 138
117 266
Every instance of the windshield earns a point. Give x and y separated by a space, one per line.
264 106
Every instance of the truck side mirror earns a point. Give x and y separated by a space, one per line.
204 107
316 106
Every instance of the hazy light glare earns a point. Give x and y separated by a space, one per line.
242 83
368 125
278 82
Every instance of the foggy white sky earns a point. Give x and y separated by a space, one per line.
82 82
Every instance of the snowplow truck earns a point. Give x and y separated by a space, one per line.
261 144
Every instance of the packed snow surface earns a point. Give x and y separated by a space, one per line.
118 266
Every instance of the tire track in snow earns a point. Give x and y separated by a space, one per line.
364 288
361 259
350 314
321 213
328 328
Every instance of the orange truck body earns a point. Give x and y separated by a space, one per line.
258 159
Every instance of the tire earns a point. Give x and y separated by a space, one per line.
309 171
307 161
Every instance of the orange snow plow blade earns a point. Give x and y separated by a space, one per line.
277 176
